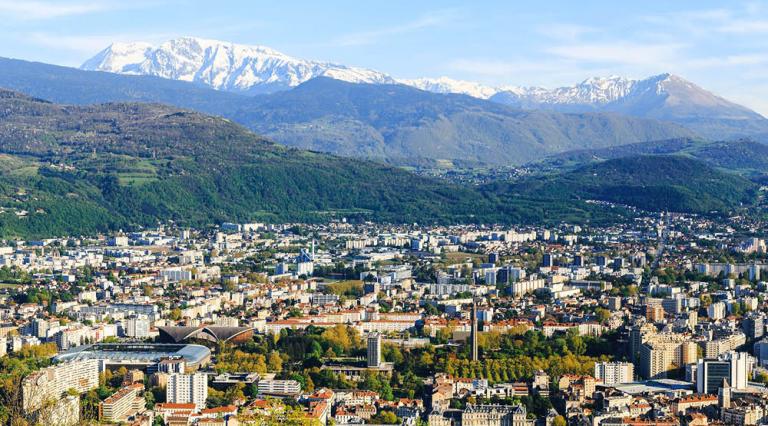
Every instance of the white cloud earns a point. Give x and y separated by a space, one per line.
38 9
566 32
35 10
370 37
738 26
86 46
619 53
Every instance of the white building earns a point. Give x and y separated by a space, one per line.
137 327
279 387
187 389
53 382
716 311
614 373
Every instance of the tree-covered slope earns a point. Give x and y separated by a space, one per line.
745 157
649 182
72 170
397 121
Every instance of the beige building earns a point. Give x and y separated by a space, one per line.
124 403
654 313
495 415
715 348
50 384
741 416
661 353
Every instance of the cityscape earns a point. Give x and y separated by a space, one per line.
642 323
345 213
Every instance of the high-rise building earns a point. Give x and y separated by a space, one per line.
124 403
661 353
654 313
733 366
710 374
172 365
614 373
40 328
187 389
741 366
137 327
760 351
473 332
754 326
374 350
52 382
716 311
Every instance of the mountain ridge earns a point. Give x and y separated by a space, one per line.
222 65
456 126
394 121
258 69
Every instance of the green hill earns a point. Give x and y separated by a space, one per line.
70 170
745 157
73 170
649 182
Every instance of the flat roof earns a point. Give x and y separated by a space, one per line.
654 386
137 352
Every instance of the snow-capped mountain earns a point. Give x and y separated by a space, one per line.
595 91
662 96
258 69
449 85
223 65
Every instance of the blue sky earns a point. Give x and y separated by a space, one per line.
722 46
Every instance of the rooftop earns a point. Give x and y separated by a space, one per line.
136 352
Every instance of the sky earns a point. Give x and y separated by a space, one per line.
721 46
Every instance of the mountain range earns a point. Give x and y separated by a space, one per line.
72 170
390 122
258 69
402 124
224 66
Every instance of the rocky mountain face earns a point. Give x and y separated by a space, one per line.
222 65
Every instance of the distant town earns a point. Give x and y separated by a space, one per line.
660 321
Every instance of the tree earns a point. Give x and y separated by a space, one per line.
175 314
385 417
149 398
275 363
603 315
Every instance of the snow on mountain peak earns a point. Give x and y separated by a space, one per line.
449 85
222 65
260 69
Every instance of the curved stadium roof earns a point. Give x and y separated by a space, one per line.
136 352
211 333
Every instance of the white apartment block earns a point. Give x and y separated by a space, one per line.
187 389
279 387
613 373
53 382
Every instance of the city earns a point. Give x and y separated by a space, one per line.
661 321
339 213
